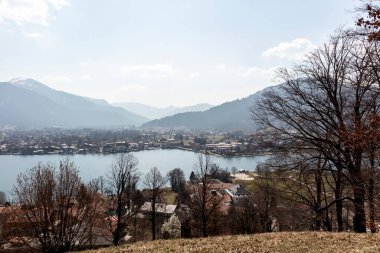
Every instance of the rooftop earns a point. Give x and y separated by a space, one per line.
160 208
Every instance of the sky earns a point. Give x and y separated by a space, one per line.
163 52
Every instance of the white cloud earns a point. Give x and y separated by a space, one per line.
29 11
130 92
84 64
194 75
86 77
33 35
259 72
221 66
294 50
133 88
58 4
57 79
152 71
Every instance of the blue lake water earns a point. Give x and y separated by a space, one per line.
95 165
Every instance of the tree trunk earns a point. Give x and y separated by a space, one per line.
318 181
339 213
371 205
204 206
119 213
359 195
339 202
354 168
204 225
327 221
153 218
371 198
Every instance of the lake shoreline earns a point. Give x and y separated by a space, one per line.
144 150
92 166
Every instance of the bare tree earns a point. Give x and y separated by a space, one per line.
121 181
243 216
177 181
56 207
308 181
234 170
326 104
204 200
370 24
3 198
154 182
265 196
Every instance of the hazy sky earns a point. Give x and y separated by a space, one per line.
162 52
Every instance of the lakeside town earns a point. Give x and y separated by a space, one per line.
189 126
133 214
92 141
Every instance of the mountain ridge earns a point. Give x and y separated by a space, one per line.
230 116
153 112
29 103
48 107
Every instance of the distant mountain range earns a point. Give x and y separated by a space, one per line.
229 116
31 104
28 103
151 112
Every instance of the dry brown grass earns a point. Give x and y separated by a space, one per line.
271 242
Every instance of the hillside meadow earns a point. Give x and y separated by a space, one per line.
283 242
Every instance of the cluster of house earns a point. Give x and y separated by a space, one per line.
121 146
90 141
65 149
169 217
230 148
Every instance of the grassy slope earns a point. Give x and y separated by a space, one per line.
270 242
